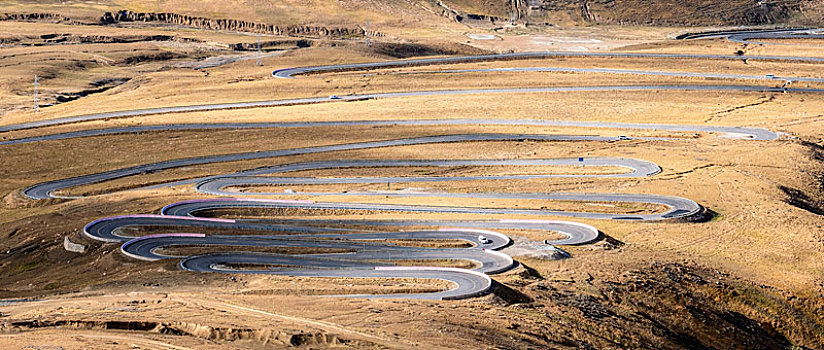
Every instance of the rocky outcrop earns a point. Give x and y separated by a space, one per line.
587 14
197 22
230 24
253 46
268 337
518 9
442 9
407 50
35 17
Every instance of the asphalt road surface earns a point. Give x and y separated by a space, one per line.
46 190
360 257
726 131
343 248
356 253
292 72
388 95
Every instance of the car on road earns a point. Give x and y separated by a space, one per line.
334 97
771 76
624 137
484 240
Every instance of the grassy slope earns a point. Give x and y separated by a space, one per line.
411 13
694 12
782 282
288 12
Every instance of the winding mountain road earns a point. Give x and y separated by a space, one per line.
366 254
344 248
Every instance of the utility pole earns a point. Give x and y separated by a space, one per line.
366 33
260 52
36 107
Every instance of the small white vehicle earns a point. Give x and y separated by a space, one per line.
484 240
334 97
771 76
623 137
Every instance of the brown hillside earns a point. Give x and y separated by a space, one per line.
438 13
649 12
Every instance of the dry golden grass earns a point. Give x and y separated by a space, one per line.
316 12
766 251
246 82
726 47
732 177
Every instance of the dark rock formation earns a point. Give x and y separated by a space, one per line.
35 17
474 19
253 46
230 24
